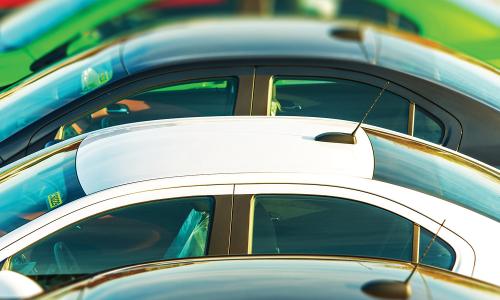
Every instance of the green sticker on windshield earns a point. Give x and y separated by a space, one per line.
54 200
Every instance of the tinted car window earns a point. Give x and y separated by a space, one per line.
139 233
338 99
427 127
51 92
39 185
215 97
436 172
440 254
296 224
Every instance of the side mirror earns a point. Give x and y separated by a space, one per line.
16 286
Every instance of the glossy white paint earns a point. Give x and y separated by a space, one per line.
16 286
476 253
222 145
158 160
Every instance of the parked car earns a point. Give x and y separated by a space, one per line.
65 28
185 188
25 48
260 67
477 33
8 6
470 27
265 277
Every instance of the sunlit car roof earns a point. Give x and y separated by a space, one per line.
185 147
236 38
270 277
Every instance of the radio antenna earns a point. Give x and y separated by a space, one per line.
395 289
349 138
386 85
425 253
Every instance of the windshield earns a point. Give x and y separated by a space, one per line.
37 186
49 93
475 80
30 23
436 172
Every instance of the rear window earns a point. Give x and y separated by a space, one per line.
37 186
436 172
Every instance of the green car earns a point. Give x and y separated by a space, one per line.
59 31
470 27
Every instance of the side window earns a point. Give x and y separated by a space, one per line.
214 97
440 254
338 99
427 127
296 224
134 234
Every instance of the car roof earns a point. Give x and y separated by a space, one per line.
240 38
270 277
265 40
219 145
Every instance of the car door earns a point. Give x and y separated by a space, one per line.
325 220
105 231
192 93
343 94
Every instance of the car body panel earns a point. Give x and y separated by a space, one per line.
213 41
423 209
283 142
463 115
265 277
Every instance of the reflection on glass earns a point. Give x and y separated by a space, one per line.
49 93
440 254
436 172
215 97
139 233
338 99
29 191
438 66
296 224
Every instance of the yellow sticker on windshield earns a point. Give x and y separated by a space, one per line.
54 200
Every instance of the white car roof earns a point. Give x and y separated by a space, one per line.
219 145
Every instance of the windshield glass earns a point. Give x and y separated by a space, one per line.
37 186
436 172
47 94
475 80
28 24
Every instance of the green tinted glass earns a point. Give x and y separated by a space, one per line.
338 99
427 127
135 234
295 224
